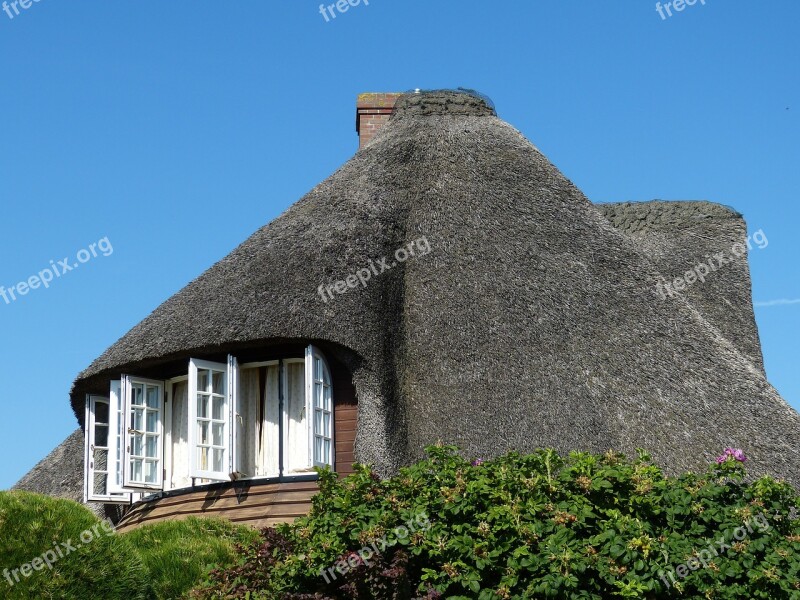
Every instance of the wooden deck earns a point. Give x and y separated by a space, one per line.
245 502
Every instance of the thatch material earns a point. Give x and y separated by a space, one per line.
532 322
680 236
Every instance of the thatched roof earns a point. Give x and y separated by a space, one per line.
60 473
679 236
532 322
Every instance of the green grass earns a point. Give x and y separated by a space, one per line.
178 554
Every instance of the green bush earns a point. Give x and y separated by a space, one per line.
87 559
536 526
178 554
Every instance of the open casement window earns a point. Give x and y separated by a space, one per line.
211 391
101 457
143 407
320 394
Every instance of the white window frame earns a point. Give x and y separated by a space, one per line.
233 417
312 354
127 385
111 496
194 469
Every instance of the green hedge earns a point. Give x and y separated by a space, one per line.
89 561
537 526
177 554
52 548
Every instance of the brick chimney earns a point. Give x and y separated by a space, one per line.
372 112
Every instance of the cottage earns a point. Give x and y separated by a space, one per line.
532 320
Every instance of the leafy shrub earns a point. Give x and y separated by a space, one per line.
177 554
88 560
535 526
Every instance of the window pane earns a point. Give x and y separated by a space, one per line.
100 460
138 420
219 383
151 446
318 449
153 399
202 432
151 471
152 421
317 369
318 401
202 406
136 470
202 458
101 435
136 393
101 413
218 412
318 423
136 444
327 393
218 432
218 461
100 484
327 452
202 380
326 428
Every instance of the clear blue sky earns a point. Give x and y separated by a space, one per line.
178 128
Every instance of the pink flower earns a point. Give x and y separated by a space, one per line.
734 453
477 462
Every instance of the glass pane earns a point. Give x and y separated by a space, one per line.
327 393
138 419
136 394
151 472
318 423
202 432
101 435
219 455
327 452
100 483
202 458
202 406
326 376
318 450
151 446
101 413
218 412
318 402
219 383
153 396
326 428
202 380
101 460
136 444
152 421
136 470
218 433
317 369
